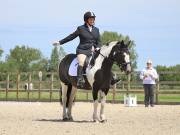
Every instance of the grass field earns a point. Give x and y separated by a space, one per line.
45 96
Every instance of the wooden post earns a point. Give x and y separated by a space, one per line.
122 85
128 83
87 95
40 81
29 82
17 89
157 91
52 77
114 89
39 90
7 86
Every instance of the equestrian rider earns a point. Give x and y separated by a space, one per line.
89 42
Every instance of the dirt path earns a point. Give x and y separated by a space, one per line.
19 118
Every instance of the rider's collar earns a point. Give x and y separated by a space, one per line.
88 26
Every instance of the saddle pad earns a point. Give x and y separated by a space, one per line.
73 67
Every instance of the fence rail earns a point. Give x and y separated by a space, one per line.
14 83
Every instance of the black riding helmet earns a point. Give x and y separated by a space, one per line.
88 15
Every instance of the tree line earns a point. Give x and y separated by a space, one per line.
23 58
26 59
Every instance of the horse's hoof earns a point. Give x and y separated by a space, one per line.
70 119
65 119
95 121
103 121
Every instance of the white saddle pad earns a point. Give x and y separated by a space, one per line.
73 67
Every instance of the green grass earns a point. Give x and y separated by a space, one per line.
45 96
169 98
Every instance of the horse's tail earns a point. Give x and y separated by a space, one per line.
60 96
69 89
68 94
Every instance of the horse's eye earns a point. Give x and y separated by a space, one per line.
114 53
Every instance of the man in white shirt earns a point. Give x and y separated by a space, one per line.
149 75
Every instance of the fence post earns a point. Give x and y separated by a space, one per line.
87 95
29 82
114 89
157 91
52 77
7 86
40 81
17 89
128 84
122 85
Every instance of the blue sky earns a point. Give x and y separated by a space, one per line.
153 25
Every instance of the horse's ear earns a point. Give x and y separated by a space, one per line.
122 42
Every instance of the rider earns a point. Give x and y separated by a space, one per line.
89 42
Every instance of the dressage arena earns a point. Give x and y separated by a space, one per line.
26 118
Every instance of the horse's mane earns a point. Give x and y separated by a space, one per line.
111 44
106 49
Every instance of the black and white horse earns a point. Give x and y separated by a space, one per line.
98 77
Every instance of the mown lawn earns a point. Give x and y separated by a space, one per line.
45 96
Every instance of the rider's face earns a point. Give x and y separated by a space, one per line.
91 21
149 65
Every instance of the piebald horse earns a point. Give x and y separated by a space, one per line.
98 77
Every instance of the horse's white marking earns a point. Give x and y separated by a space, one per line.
95 116
127 59
114 53
103 101
105 50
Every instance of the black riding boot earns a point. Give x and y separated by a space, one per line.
80 79
114 80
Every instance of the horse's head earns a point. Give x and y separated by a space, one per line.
120 54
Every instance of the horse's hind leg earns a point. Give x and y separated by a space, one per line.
71 99
95 98
64 100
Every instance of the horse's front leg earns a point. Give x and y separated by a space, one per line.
64 100
103 102
71 99
95 99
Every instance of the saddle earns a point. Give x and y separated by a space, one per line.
89 62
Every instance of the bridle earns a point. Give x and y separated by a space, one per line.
112 59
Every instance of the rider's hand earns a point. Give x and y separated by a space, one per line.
92 49
55 43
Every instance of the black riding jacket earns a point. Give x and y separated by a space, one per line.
87 39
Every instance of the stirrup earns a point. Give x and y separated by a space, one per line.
80 82
115 81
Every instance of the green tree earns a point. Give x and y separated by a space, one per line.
9 66
174 74
1 52
54 61
39 65
62 53
21 57
107 37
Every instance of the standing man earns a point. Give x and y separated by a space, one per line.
149 75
